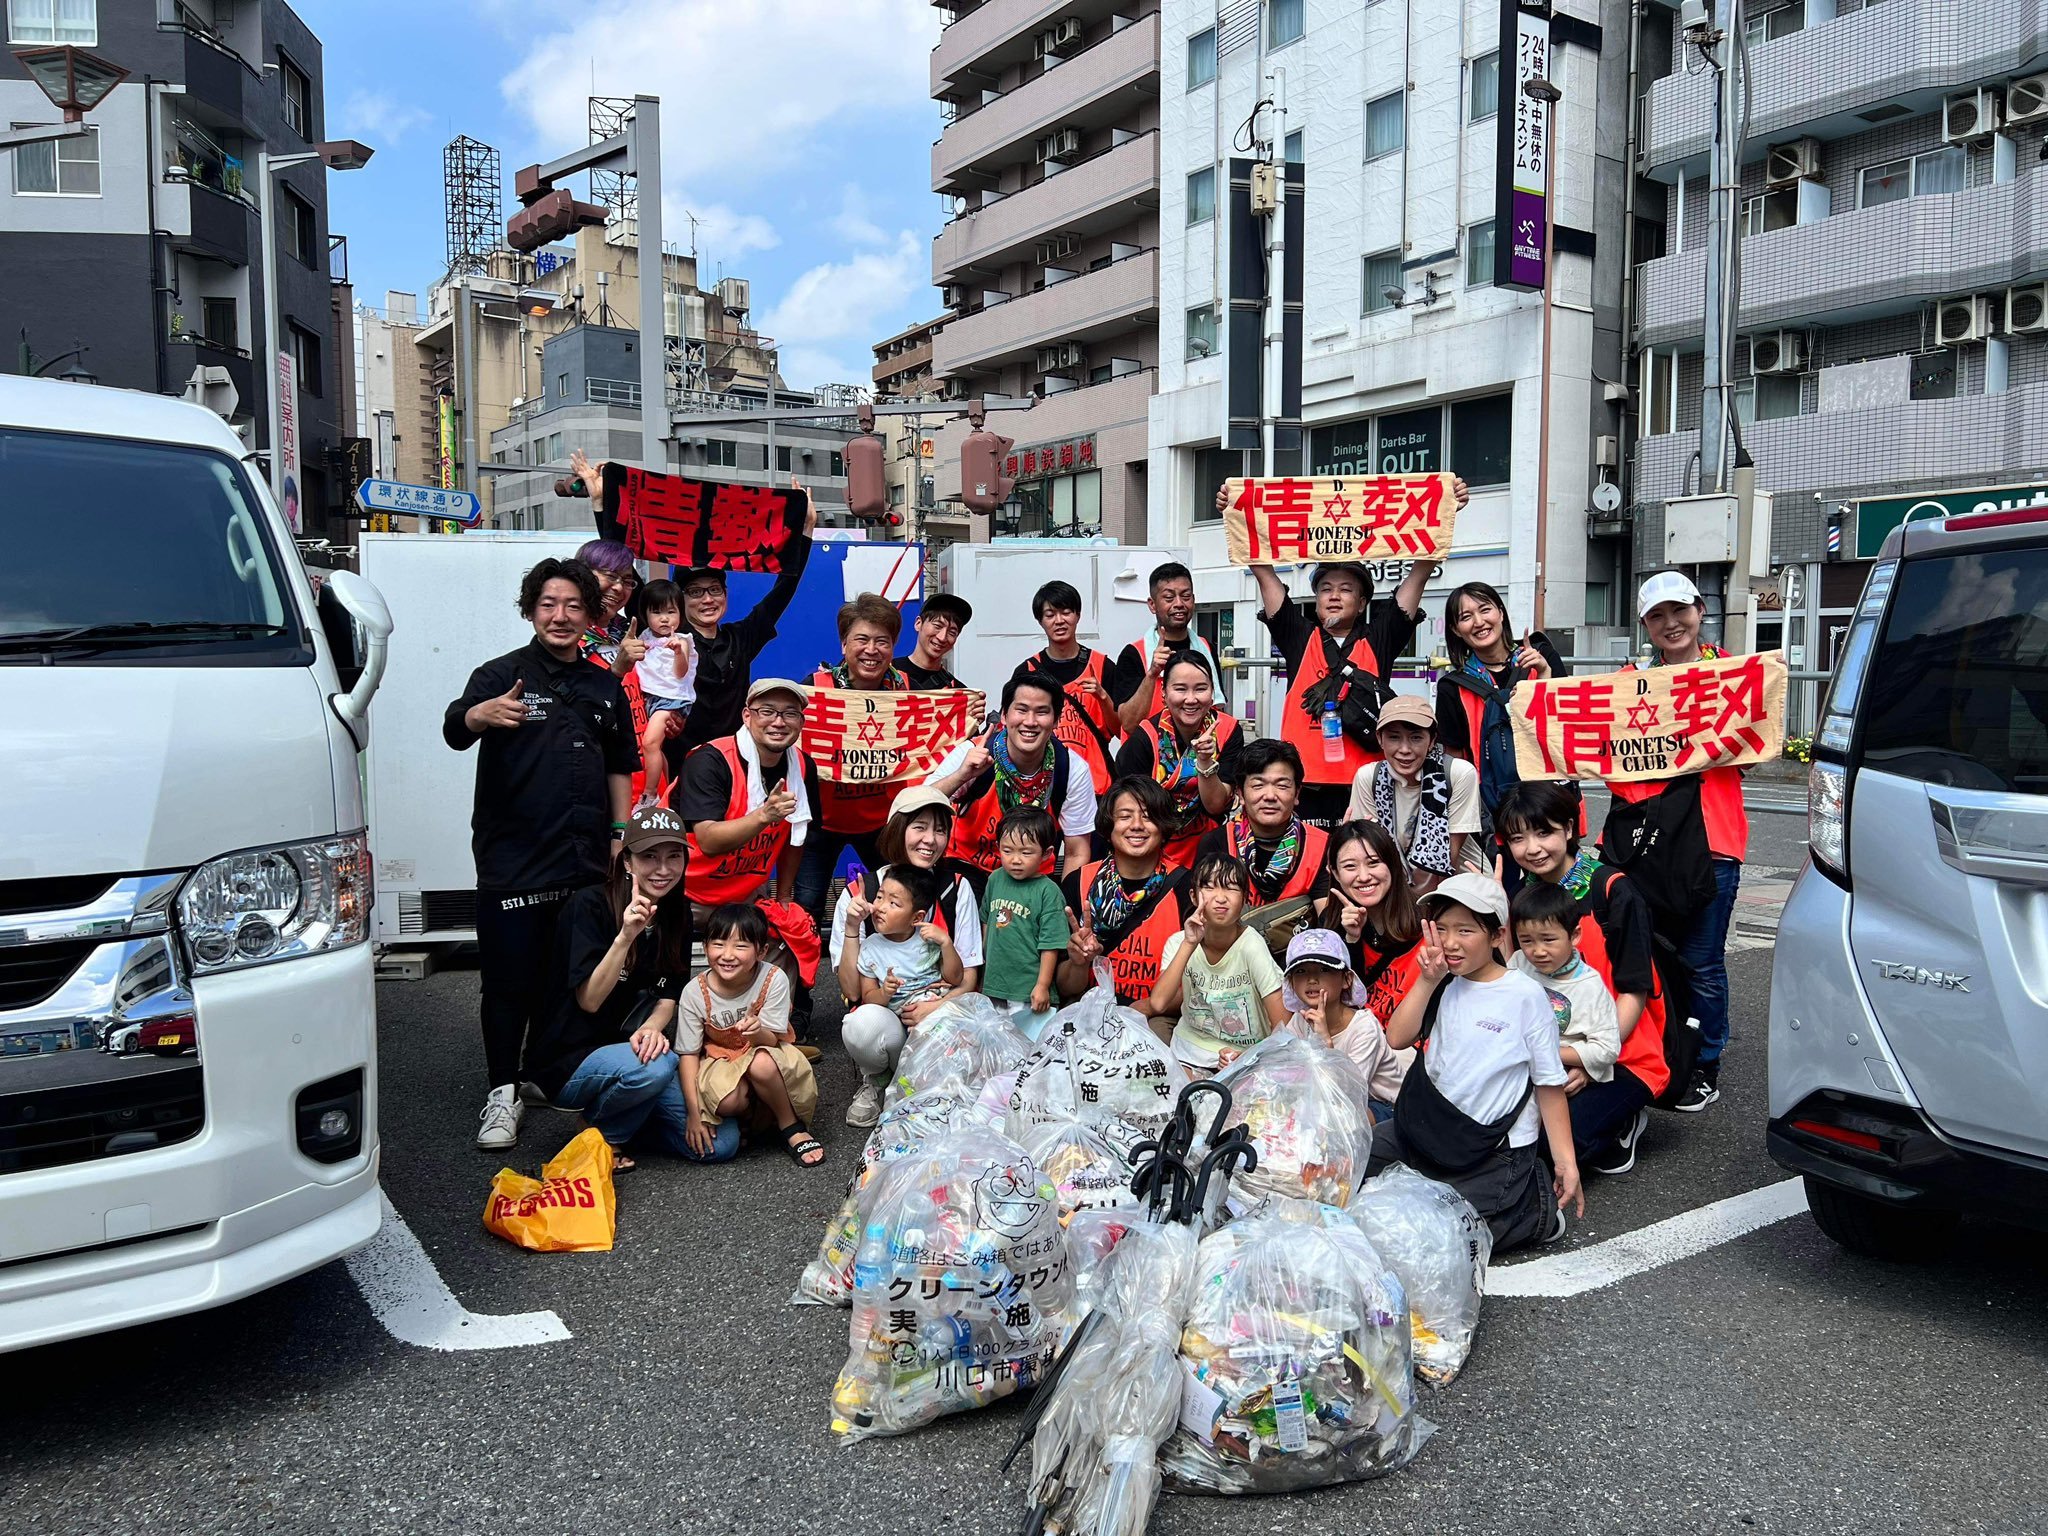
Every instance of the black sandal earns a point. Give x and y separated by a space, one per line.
799 1143
622 1161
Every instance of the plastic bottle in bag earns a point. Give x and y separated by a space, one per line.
1431 1237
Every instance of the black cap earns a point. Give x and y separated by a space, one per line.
695 571
1342 568
945 604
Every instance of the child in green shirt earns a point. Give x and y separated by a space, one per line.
1023 917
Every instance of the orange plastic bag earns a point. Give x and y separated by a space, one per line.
571 1208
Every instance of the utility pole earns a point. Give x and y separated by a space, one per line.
1272 157
1717 38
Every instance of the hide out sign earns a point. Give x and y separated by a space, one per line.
1636 725
1372 517
856 736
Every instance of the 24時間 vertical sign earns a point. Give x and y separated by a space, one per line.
1523 130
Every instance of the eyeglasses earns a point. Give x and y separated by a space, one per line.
706 590
788 715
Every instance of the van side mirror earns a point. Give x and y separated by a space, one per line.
340 629
358 600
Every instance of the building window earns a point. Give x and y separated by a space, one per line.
1202 195
217 320
1773 210
1768 397
721 453
1291 149
1479 255
1934 375
59 167
1202 58
1939 170
561 386
836 467
1213 466
1386 126
1661 382
1202 332
297 94
1761 26
1286 20
1383 283
1485 87
782 458
1483 440
301 227
54 21
306 358
1073 503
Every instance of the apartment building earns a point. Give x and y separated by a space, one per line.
137 246
903 374
1893 323
394 391
1412 358
1049 263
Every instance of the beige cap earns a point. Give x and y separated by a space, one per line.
1407 709
919 797
796 691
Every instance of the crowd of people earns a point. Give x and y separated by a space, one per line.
1374 875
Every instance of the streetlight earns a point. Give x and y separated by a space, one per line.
336 155
1548 96
75 81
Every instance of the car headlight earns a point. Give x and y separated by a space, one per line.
277 903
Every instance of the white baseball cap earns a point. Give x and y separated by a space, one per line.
1475 893
1665 587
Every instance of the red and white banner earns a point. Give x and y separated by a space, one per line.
859 736
1639 725
1372 517
704 523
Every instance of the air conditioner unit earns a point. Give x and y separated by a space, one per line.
1060 38
1959 320
1965 119
1777 352
735 295
1058 248
1065 354
1792 162
1060 145
2026 99
2026 310
953 295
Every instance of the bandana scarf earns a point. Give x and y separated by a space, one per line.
1014 787
1495 749
1271 865
893 681
1429 839
1177 775
1579 878
1113 910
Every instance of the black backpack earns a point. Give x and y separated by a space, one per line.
1661 845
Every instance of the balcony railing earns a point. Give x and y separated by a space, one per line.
1091 302
1117 175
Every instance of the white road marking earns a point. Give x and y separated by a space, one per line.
408 1296
1651 1247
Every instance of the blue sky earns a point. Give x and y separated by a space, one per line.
798 131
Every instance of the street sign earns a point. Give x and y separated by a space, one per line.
287 445
419 501
1877 516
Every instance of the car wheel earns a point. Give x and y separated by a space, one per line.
130 1044
1902 1234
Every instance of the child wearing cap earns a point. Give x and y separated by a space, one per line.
1326 1002
1492 1082
1428 799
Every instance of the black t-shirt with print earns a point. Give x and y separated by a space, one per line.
565 1034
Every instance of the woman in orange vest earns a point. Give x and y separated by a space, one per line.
1671 611
1283 853
1539 824
1124 908
1095 687
1338 666
852 813
1190 749
1371 902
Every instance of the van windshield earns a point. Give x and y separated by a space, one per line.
116 546
1958 689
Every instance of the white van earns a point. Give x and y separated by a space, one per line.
182 853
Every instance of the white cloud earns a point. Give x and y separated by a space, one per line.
848 300
852 223
808 367
721 233
378 120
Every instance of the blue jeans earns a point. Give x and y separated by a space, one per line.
628 1099
821 858
1705 950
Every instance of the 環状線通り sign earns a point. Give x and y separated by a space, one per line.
1877 516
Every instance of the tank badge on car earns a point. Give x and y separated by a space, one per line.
1919 975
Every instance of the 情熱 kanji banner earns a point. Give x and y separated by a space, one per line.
704 523
1651 723
861 736
1368 517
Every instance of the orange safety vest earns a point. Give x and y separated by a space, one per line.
1315 843
1306 735
1721 806
1643 1051
1134 964
1197 823
1087 723
852 809
975 824
744 873
1392 984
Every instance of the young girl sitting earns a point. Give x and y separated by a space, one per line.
1217 974
733 1035
1326 1002
1491 1083
667 675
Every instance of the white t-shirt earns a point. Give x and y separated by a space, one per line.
1585 1013
1365 1042
1222 1006
1462 814
966 927
659 676
699 1006
915 961
1491 1039
1077 811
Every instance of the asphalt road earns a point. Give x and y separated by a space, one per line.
1772 1384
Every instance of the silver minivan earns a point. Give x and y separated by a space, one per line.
1909 1002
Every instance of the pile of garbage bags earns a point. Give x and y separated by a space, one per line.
1098 1062
1308 1110
964 1041
1439 1246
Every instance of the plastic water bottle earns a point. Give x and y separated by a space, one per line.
1333 735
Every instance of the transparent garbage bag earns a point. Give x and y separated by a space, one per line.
828 1279
962 1286
1308 1110
1089 1164
966 1040
1097 1062
1431 1237
1296 1349
1093 1235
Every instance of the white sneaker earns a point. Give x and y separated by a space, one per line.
500 1117
866 1108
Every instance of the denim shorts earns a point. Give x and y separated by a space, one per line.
680 706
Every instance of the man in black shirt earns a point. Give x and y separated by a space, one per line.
554 779
1096 687
939 626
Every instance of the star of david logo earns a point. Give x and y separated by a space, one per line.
1642 715
870 732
